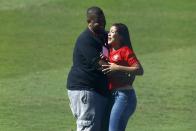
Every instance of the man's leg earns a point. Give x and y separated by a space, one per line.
105 123
89 109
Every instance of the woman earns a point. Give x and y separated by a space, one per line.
122 68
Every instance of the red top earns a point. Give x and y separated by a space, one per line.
126 57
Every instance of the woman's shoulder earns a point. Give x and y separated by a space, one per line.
126 49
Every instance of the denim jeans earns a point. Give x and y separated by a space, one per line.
124 105
89 109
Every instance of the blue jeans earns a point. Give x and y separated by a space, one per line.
89 109
124 105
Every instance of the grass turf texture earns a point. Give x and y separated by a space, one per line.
36 44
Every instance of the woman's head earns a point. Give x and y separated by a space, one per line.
119 35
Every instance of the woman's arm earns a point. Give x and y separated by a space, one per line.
135 69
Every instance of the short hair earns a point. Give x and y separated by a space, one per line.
93 12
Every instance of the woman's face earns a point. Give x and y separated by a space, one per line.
113 36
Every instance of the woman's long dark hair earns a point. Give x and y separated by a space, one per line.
123 31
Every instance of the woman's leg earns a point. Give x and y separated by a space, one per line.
132 102
123 107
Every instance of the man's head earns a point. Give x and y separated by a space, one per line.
96 19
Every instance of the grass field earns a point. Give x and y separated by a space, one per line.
36 44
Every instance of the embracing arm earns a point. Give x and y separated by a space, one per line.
133 65
135 69
90 50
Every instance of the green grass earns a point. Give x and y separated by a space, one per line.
36 44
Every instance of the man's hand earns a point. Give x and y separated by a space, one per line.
103 57
103 61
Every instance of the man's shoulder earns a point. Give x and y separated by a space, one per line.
85 35
87 38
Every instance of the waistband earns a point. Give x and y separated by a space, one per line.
127 87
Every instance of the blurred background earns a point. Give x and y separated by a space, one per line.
36 44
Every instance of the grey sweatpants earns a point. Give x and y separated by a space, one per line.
89 108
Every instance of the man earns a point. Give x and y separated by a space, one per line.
87 85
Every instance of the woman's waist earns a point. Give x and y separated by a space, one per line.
120 87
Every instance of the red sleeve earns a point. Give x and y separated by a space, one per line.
130 57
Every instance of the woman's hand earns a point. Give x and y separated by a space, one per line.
110 68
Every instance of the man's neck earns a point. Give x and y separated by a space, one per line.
92 31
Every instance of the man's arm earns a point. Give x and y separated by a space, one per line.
91 52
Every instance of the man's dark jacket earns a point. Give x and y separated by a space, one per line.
85 74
